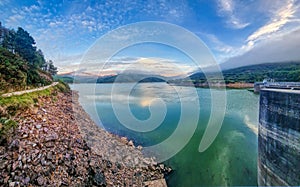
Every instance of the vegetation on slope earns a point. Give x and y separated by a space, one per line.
11 106
287 71
22 65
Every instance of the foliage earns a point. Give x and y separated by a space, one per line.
5 126
65 79
21 102
24 46
13 71
285 71
10 106
63 87
22 65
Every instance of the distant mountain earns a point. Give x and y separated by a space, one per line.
120 78
284 71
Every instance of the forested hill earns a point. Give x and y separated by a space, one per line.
22 64
284 71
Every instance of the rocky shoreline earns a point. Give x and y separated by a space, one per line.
57 144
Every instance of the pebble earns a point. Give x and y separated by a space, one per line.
40 181
130 143
162 166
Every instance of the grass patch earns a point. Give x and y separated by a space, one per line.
6 127
10 106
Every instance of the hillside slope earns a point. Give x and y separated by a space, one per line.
287 71
16 74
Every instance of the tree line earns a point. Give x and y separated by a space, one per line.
21 62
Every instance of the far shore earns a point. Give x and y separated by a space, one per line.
236 85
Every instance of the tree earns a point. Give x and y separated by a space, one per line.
51 68
39 60
9 41
25 45
12 71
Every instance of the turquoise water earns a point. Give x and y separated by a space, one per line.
231 160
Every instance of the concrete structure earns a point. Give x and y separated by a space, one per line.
278 85
279 138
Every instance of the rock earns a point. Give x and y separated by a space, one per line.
43 162
14 144
6 179
67 156
40 180
51 137
99 178
23 159
38 126
156 183
15 165
139 147
25 136
72 170
26 180
49 156
49 144
130 143
124 140
12 184
152 168
162 167
3 164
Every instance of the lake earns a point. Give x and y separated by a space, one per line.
231 160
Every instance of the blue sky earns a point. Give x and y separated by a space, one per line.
238 32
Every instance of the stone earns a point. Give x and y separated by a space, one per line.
124 140
40 180
15 166
49 156
51 137
12 184
38 126
43 162
26 180
156 183
25 136
14 144
99 178
162 167
3 164
139 147
130 143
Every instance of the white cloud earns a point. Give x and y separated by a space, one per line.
117 65
280 18
278 49
227 8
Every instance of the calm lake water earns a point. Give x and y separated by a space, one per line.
230 161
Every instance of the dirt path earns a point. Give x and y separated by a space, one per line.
29 91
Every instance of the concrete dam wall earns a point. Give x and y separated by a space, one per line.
279 138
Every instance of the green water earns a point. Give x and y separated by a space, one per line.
230 161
